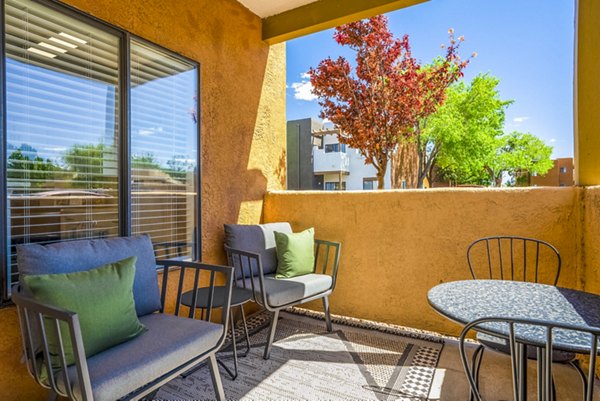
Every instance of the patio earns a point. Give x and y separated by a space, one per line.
397 244
358 360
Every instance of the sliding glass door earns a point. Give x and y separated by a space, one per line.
100 133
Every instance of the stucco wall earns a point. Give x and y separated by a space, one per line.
396 245
243 123
590 257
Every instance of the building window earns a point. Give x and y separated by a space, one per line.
369 184
335 147
563 170
332 186
65 136
163 150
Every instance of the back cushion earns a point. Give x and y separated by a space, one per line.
257 238
75 256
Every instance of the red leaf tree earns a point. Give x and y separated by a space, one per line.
378 103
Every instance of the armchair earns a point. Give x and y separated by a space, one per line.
132 370
255 269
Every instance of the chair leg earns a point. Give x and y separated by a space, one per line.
216 378
582 375
245 331
476 364
327 315
267 353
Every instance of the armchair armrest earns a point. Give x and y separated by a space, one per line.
250 266
197 268
36 319
325 248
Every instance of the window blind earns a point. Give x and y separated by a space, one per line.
164 147
62 96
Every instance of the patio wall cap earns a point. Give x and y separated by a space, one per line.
426 191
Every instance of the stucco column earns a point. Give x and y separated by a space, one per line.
587 93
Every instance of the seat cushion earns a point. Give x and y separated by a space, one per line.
169 342
75 256
501 345
258 238
282 291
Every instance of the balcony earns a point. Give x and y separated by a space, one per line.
330 162
397 244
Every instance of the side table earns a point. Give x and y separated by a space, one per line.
239 296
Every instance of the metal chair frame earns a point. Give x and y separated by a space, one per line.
255 270
494 247
497 272
518 348
33 313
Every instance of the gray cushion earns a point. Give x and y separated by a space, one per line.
73 256
169 342
281 291
257 238
501 345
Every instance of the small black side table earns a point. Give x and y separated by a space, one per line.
239 296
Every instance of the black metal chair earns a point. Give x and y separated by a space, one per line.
518 259
543 337
277 294
137 368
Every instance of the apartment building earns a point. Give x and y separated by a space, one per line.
317 160
560 175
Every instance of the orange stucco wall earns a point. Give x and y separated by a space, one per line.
591 237
243 123
396 245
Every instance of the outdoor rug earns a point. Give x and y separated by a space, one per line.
359 360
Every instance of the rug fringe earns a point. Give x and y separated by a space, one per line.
373 325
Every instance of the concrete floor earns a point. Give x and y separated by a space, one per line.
450 383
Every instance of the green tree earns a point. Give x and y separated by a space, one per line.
89 165
458 140
464 141
519 153
145 161
24 164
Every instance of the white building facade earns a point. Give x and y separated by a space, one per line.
341 166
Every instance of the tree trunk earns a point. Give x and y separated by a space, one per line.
380 180
381 170
405 165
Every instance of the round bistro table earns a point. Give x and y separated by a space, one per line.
239 296
467 301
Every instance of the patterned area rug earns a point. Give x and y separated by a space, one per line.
308 363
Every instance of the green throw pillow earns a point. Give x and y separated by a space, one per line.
295 253
101 297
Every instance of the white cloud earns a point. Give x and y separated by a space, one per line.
519 120
326 121
303 89
149 131
552 140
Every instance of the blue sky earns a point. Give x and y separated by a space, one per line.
528 44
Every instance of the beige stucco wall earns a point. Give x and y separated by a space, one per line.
242 117
590 257
396 245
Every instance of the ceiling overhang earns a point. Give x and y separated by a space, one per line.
324 14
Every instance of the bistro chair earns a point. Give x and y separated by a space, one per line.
546 338
517 259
